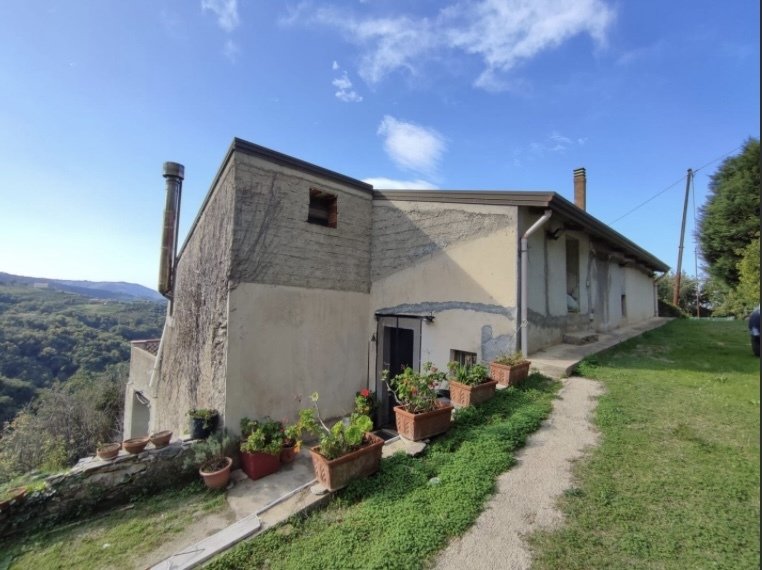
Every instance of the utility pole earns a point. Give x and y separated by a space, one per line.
678 274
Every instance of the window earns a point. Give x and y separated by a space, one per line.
322 208
624 305
463 357
572 275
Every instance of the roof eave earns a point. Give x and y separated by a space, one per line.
531 199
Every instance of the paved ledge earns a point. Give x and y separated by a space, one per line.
559 361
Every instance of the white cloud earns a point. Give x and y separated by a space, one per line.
226 11
335 66
501 33
345 92
556 142
643 53
392 184
231 50
412 146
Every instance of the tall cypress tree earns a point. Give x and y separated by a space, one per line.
729 220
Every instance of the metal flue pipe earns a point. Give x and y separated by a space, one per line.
525 280
173 174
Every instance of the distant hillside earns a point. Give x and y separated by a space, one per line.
117 290
49 335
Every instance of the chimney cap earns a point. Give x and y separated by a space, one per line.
174 169
579 171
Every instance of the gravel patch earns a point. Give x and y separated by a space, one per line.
527 494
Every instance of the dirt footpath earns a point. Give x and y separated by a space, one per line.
526 494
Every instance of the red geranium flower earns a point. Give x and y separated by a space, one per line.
365 393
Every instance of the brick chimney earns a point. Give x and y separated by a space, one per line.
580 188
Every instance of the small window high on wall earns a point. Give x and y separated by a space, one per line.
322 208
572 275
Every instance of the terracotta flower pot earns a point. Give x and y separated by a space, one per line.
465 395
217 474
509 375
424 425
108 451
337 473
161 438
258 465
288 454
135 445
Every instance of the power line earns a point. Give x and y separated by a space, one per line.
675 183
719 158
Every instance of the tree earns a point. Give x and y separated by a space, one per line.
689 288
729 220
65 422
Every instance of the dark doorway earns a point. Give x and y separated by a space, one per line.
398 344
398 355
399 348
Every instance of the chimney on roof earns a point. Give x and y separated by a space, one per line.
173 174
580 188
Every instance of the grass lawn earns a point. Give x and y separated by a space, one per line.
675 481
403 515
116 539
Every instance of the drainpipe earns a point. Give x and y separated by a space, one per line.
656 292
525 281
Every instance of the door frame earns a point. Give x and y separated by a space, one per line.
407 322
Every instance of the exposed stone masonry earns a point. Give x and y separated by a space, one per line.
274 244
93 485
404 232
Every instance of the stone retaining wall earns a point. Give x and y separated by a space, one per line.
93 485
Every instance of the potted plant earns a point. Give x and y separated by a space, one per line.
160 438
293 433
509 369
470 384
203 422
262 442
366 404
345 451
420 415
212 458
107 451
135 445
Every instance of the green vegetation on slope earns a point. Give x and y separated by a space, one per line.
406 513
48 336
119 538
675 481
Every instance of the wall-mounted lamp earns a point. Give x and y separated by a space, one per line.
555 234
429 318
142 398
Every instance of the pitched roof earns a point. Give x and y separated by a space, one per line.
541 199
151 345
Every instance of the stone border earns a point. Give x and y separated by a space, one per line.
94 485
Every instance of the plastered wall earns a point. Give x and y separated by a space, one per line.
141 367
453 262
286 342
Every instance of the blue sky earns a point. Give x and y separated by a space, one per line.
96 95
